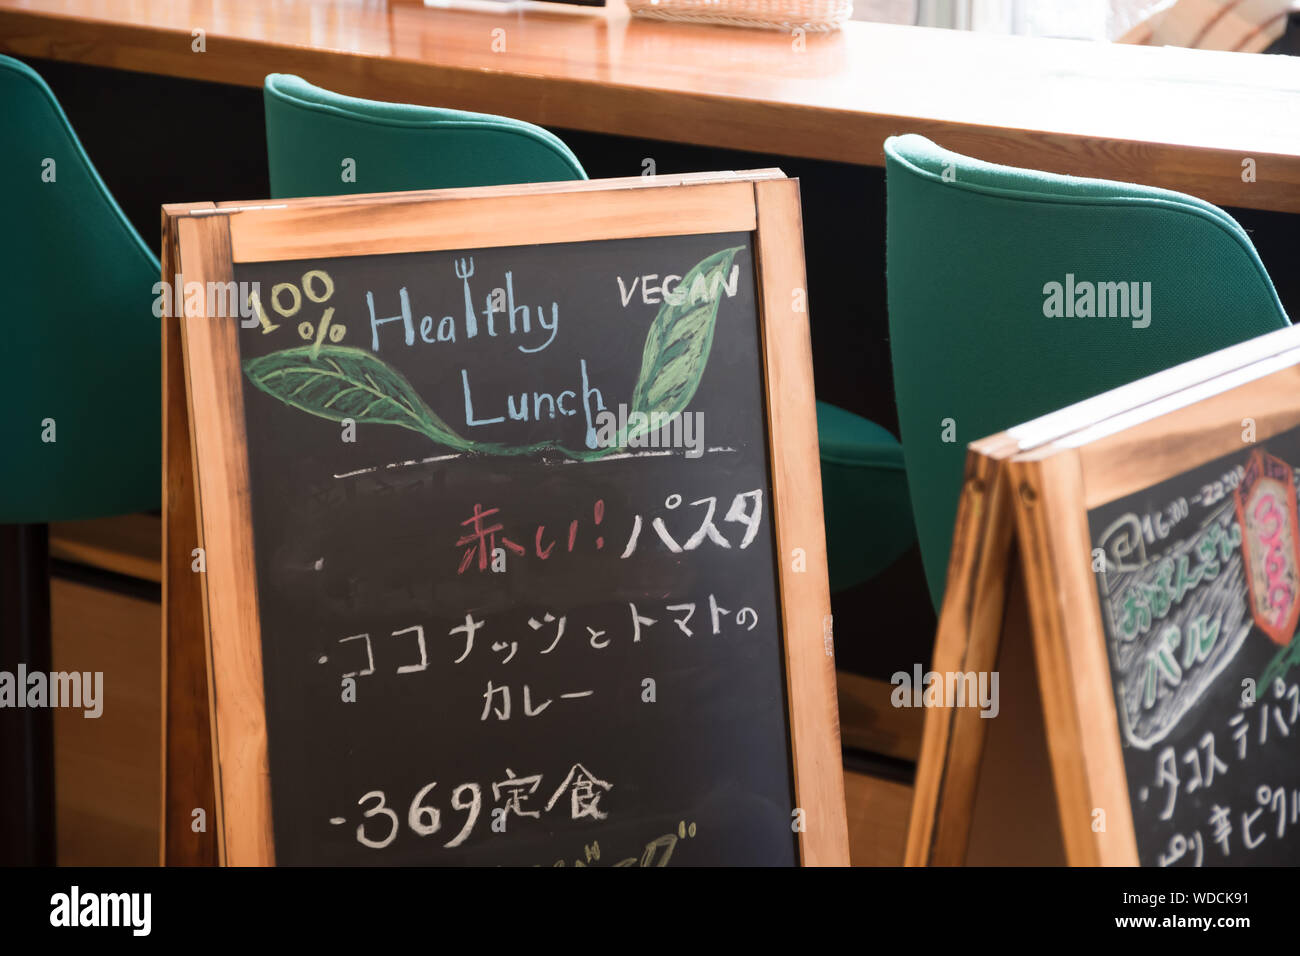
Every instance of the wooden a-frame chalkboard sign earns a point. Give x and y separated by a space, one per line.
1131 567
494 531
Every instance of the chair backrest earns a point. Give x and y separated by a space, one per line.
983 340
319 143
81 429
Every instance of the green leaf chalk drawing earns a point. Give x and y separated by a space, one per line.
342 382
678 344
338 381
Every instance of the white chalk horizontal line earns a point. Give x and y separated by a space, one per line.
626 454
645 454
397 464
425 461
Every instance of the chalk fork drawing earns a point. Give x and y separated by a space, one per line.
338 381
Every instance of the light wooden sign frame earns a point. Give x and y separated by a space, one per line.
215 745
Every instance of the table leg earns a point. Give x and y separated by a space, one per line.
26 734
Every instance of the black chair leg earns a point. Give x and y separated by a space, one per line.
26 734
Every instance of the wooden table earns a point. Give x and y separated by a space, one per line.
1183 119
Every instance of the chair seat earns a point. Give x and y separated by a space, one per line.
868 512
849 439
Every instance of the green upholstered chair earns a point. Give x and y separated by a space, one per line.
81 432
971 249
310 132
83 343
864 496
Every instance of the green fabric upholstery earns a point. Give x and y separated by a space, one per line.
78 326
311 131
864 496
971 247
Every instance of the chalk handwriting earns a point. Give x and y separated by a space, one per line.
577 796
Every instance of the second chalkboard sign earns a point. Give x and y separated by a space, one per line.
1162 564
1198 588
1130 567
510 509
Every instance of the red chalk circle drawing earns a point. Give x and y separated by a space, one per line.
1270 544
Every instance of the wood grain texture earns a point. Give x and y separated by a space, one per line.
797 513
967 639
216 428
1181 119
870 723
1155 445
657 181
106 769
878 811
188 782
1013 816
130 545
428 221
1069 647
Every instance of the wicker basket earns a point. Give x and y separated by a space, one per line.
812 16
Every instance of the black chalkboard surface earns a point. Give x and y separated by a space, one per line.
487 637
1199 597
